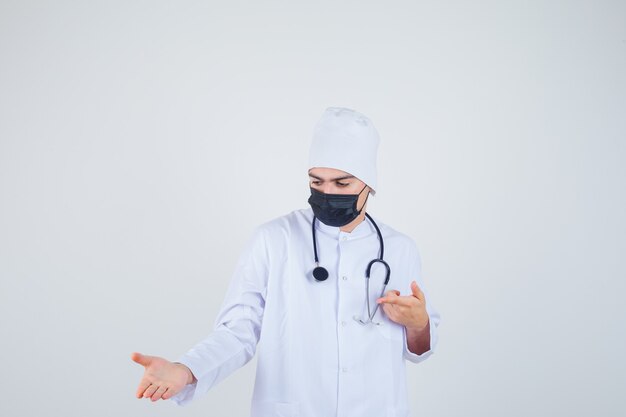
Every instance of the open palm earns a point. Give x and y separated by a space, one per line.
162 379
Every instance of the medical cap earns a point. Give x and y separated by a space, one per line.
347 140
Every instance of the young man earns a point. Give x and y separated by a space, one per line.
302 287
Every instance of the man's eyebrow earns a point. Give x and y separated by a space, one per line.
345 177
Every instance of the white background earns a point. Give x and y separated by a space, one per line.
142 141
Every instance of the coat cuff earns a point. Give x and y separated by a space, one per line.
187 394
415 358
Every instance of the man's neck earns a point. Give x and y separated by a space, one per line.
348 228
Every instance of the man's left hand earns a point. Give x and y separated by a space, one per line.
408 310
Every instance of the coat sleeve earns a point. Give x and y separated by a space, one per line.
433 314
237 328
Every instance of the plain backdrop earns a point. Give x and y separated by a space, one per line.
142 141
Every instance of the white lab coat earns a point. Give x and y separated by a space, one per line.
314 359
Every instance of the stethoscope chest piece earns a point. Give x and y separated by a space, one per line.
320 273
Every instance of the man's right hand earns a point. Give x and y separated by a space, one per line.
162 379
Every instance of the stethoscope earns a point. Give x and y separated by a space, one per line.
321 274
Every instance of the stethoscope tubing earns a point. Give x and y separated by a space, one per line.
320 273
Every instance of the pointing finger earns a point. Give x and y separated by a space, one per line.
392 293
393 299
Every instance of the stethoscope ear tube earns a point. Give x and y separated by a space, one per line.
370 316
372 262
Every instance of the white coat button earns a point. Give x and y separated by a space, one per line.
344 238
345 278
344 324
344 370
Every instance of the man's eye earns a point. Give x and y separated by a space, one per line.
315 182
342 184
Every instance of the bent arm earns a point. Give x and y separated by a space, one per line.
419 345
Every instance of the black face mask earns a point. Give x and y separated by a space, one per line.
335 209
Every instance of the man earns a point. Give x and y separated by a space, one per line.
301 287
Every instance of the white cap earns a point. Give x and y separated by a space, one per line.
346 140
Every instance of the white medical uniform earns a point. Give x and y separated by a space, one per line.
314 359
